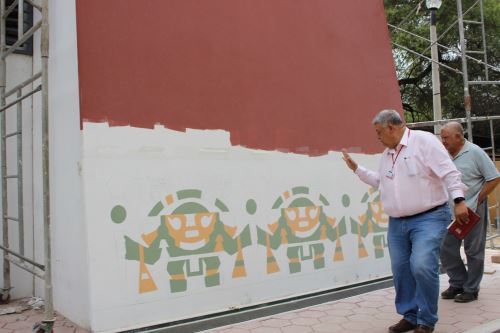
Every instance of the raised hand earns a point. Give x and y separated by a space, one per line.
349 161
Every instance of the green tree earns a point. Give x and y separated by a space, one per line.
414 72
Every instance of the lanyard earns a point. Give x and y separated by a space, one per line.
390 173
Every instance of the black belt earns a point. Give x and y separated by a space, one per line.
424 212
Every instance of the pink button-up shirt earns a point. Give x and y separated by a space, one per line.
414 177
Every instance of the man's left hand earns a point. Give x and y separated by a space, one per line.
461 213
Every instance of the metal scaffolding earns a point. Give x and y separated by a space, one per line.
40 80
492 234
465 21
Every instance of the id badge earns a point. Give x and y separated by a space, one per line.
390 174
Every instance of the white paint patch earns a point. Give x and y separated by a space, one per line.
137 168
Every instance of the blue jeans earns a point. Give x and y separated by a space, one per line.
414 244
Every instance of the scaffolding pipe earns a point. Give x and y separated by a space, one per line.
22 265
483 32
5 107
20 41
467 98
20 201
23 84
10 9
484 82
452 50
444 121
5 223
34 4
34 263
44 48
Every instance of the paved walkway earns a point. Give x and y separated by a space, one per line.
371 312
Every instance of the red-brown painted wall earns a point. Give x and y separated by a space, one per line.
296 75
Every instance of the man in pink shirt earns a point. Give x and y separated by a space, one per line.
414 178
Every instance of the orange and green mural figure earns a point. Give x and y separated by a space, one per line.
195 238
302 228
374 221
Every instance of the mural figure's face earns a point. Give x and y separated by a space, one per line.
191 231
303 220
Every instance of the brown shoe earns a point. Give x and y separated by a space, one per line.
423 329
402 326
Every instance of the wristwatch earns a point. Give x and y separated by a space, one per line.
458 200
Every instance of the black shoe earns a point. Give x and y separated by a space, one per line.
402 326
451 292
466 297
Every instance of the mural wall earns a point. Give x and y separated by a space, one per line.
210 166
185 224
293 76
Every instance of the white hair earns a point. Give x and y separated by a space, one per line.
386 117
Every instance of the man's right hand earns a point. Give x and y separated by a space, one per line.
349 161
461 213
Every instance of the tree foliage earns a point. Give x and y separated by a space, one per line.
414 72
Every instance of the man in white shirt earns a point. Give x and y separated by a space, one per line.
414 178
481 176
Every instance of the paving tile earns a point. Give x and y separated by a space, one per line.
275 322
234 330
339 312
360 318
489 316
387 308
469 310
12 318
333 319
369 310
374 298
311 314
305 321
64 329
18 325
296 329
286 315
250 324
496 309
469 318
486 302
328 327
322 307
356 325
489 297
368 304
445 328
464 325
388 315
344 306
265 330
354 299
447 319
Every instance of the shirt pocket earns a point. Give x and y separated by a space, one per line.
411 168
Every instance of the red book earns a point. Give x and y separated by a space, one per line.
462 230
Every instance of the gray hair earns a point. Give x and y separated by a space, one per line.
454 126
386 117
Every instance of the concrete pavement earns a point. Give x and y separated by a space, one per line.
370 312
373 312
